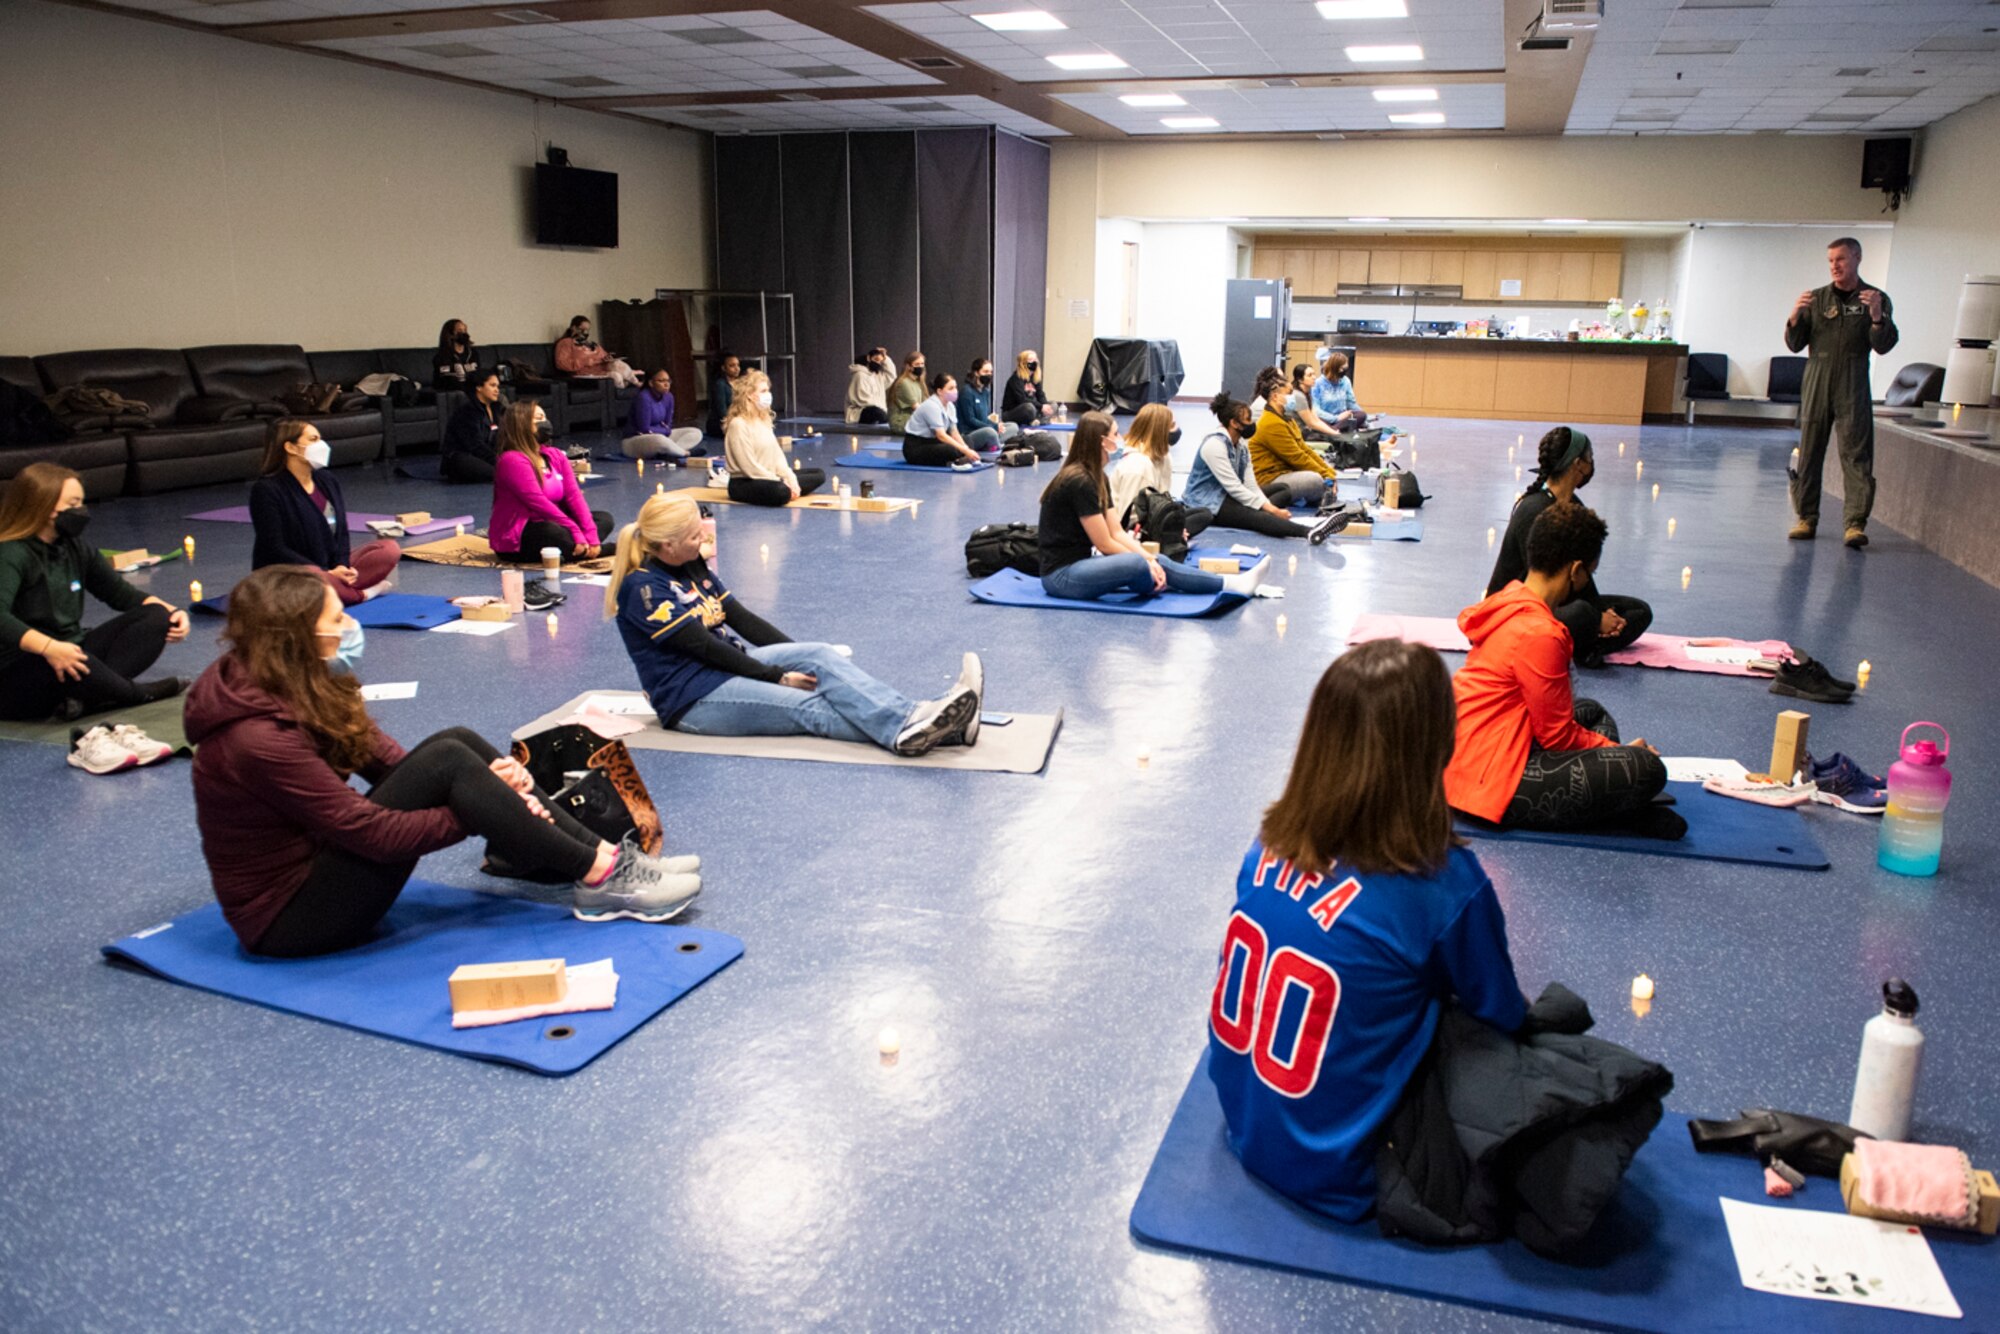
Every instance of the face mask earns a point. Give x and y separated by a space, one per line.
347 657
318 454
982 380
71 523
1034 366
543 434
461 340
763 398
948 395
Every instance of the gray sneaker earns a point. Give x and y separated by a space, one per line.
935 721
638 887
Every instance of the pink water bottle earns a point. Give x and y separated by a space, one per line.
1919 787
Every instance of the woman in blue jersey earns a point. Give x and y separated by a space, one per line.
1357 915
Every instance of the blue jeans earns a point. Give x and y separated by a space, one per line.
847 705
983 438
1094 576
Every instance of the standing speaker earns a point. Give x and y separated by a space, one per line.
1885 164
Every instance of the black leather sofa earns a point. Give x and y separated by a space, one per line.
542 385
190 440
98 457
261 374
419 422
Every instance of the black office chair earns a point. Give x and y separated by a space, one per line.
1787 379
1915 385
1707 378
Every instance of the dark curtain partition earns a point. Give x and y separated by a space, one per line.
1020 246
816 265
882 209
749 238
955 247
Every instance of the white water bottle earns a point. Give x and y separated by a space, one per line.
1892 1052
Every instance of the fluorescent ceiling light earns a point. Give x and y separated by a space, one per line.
1418 118
1363 9
1367 219
1565 222
1375 55
1153 100
1088 60
1406 94
1021 20
1190 122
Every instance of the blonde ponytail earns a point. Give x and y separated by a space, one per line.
665 516
623 563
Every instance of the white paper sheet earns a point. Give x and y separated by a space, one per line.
390 690
473 627
1241 550
594 580
1699 768
1269 591
634 705
1724 655
1830 1257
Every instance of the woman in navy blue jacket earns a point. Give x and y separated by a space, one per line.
300 517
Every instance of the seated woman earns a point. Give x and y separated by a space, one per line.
868 381
1598 623
1084 552
759 472
1222 482
303 864
1023 401
50 666
1529 755
1299 404
1144 464
456 359
1333 396
907 391
300 518
931 438
651 432
712 667
1279 453
536 500
472 432
721 386
1354 891
580 359
976 418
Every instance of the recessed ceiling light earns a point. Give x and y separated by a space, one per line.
1087 60
1191 122
1418 118
1406 94
1153 100
1021 20
1564 222
1375 55
1363 9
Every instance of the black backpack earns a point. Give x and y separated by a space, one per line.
1357 449
1003 546
1158 517
1014 456
1047 448
1411 497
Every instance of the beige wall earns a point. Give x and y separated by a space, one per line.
172 189
1756 178
1947 228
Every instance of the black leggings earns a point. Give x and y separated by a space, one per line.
539 533
872 416
1583 617
1572 789
1022 414
462 467
931 453
772 491
118 650
345 895
1233 513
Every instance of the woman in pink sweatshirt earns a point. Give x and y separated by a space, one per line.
536 500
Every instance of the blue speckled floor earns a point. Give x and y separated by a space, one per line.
177 1161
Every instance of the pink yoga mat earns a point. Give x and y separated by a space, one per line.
357 521
1668 651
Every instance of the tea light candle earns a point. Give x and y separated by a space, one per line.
187 546
1621 449
458 530
1291 565
1144 757
1861 674
659 488
889 1042
1281 623
1670 530
639 466
1642 988
1491 533
1656 491
1687 575
194 591
1640 469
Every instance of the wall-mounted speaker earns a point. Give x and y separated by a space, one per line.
1885 165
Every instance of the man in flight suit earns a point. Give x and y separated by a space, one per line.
1842 322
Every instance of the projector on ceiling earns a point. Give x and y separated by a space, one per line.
1559 16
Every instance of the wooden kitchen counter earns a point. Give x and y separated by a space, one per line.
1517 379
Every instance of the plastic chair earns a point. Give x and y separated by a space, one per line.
1707 378
1787 379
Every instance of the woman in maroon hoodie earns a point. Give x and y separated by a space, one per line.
304 864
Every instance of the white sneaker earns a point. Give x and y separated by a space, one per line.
971 676
98 752
934 721
145 748
639 887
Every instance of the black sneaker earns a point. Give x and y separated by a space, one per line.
1808 680
1328 524
1813 664
540 597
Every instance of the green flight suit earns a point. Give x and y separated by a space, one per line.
1837 397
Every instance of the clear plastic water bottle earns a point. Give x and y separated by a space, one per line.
1919 788
1892 1054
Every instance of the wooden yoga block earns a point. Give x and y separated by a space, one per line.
129 560
504 986
871 504
1221 565
492 611
1357 530
1788 745
413 518
1982 1181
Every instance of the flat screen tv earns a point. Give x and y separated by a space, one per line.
576 207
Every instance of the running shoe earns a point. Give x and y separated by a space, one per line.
144 748
1846 786
1806 679
639 887
96 751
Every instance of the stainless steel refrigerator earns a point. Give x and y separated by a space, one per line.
1255 320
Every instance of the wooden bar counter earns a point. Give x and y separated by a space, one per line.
1517 379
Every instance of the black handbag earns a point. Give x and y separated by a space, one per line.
608 797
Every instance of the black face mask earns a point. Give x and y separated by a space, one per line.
71 523
461 340
543 433
982 380
1034 366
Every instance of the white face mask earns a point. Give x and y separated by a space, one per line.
319 454
763 398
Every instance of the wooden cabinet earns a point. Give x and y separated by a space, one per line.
1354 266
1544 276
1325 273
1385 266
1480 282
1448 267
1607 273
1510 266
1271 262
1573 276
1416 267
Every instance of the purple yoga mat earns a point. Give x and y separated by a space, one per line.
357 521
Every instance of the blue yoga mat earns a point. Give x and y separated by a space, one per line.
840 426
395 986
1400 530
1011 588
895 463
1720 829
1659 1260
390 611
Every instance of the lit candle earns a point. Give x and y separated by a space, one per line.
458 530
194 591
552 625
764 552
1621 449
659 488
1656 491
1639 470
1687 575
1291 565
1281 624
1861 674
639 466
1642 988
889 1042
1144 757
1491 533
187 545
1954 412
1670 530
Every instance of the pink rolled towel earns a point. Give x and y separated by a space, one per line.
1917 1180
